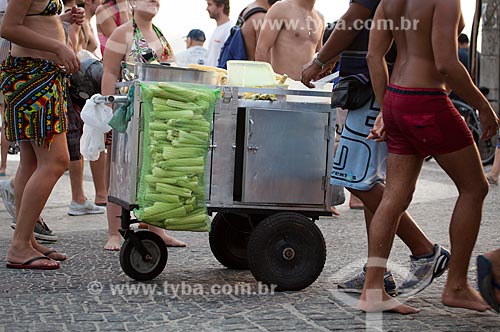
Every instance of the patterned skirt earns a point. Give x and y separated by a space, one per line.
35 99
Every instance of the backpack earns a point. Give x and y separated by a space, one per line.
234 46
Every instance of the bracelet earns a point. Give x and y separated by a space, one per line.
317 61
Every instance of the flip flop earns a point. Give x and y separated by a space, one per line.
486 282
28 264
47 254
3 174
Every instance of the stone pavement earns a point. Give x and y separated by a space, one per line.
91 293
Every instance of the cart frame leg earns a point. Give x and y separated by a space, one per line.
127 233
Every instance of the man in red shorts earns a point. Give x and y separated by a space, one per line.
418 120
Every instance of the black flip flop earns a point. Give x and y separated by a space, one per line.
486 282
28 264
46 254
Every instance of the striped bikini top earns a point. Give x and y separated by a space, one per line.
54 7
142 52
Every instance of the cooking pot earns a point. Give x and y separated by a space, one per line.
147 72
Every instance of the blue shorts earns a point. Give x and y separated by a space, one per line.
359 163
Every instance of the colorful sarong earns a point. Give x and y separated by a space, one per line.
35 99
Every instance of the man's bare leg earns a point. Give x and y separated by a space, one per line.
465 169
98 169
33 187
402 174
408 230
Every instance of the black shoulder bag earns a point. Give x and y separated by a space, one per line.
351 93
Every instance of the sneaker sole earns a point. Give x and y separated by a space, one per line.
348 290
48 238
82 213
359 291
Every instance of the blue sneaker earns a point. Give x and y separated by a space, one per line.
424 270
356 283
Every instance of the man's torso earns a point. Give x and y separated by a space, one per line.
297 41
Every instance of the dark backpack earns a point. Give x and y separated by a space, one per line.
234 46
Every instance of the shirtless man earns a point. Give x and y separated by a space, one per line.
251 30
85 34
416 116
291 35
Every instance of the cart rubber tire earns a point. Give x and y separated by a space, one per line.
132 262
286 251
228 240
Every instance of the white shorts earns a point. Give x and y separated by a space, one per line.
359 163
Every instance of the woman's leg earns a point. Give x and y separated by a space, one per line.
32 191
113 213
98 169
4 149
114 222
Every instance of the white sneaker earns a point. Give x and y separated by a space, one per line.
7 193
76 209
424 270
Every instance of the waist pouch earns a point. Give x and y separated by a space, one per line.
351 93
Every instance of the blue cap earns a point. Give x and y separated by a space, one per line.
197 35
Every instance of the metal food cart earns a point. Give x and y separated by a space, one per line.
267 180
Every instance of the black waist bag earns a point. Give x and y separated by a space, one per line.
351 93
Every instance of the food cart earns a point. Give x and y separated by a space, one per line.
267 181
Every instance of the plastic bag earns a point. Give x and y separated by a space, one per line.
122 116
95 117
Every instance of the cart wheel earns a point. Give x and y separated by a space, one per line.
286 250
132 262
228 240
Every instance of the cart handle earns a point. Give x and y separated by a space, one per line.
117 99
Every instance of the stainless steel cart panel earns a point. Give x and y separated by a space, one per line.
286 157
126 158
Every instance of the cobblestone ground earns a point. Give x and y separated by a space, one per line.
89 292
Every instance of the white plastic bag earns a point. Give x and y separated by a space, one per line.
95 117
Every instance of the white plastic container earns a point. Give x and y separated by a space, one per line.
250 73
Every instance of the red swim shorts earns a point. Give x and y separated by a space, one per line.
423 122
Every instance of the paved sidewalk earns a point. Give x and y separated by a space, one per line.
91 293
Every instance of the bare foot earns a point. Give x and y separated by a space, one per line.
114 243
388 304
355 203
20 255
464 297
171 241
334 211
50 253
